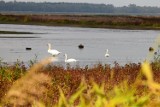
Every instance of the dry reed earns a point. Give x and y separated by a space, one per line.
29 89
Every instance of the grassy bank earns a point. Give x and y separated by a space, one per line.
47 86
94 21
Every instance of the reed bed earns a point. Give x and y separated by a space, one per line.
47 85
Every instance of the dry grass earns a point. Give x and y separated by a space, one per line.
99 21
40 85
31 88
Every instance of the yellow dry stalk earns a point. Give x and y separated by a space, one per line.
146 67
42 63
147 71
27 89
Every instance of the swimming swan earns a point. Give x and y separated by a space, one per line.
107 54
52 51
69 60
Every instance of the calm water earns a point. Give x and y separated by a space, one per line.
124 45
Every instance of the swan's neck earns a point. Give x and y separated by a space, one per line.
49 46
65 57
107 51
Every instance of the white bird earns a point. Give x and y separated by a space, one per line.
107 54
69 60
52 51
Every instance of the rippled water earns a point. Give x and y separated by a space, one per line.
124 45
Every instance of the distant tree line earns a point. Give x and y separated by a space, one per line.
75 7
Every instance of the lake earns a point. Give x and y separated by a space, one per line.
125 46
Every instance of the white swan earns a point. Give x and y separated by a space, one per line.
107 54
69 60
52 51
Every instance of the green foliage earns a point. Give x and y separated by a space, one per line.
9 74
12 72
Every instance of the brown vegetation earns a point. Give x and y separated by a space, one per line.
100 21
41 83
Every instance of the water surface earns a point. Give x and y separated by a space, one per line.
124 46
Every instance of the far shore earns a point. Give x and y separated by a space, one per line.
89 21
13 32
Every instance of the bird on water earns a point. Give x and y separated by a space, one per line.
53 52
107 53
70 59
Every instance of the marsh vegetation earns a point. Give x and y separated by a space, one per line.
94 21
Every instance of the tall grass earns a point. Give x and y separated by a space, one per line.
99 86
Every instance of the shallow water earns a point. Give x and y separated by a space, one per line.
124 46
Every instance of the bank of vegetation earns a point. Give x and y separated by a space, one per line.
93 21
